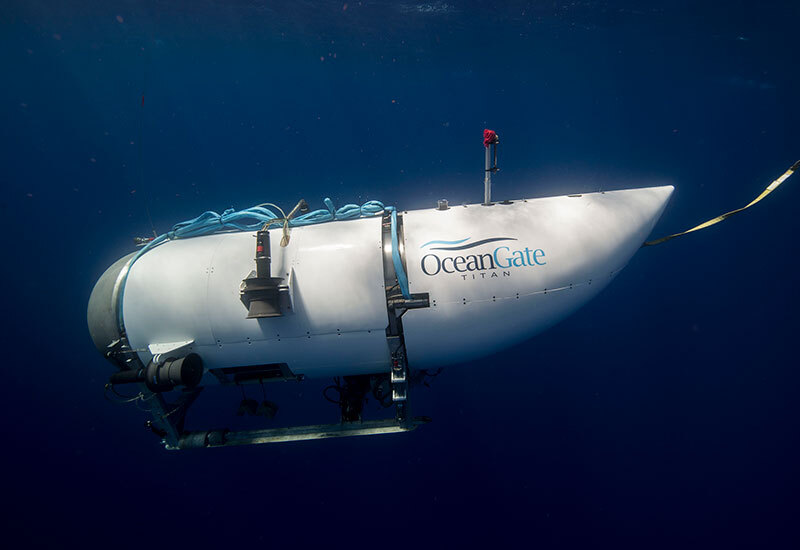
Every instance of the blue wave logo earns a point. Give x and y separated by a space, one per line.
454 245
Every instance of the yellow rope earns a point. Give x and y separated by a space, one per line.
771 187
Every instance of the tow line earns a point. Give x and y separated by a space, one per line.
770 188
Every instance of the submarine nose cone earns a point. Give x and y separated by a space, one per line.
653 202
659 197
102 314
634 213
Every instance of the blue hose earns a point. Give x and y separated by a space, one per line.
256 217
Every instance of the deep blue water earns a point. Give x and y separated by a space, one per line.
663 414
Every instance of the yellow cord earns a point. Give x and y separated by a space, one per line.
771 187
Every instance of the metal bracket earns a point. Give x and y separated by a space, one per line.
399 378
168 347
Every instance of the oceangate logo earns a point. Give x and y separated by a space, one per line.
484 265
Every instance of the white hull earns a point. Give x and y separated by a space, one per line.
544 259
584 241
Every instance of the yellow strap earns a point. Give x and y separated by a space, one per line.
771 187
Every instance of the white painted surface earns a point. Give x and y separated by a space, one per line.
335 319
584 241
189 290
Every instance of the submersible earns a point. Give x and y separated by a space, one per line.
369 295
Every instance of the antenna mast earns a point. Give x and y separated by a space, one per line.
490 142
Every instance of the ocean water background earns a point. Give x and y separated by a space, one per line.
663 414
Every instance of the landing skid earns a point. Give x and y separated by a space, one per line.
169 418
226 438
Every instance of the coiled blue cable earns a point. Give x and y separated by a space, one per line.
256 217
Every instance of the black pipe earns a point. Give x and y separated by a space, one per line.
263 254
183 371
127 377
